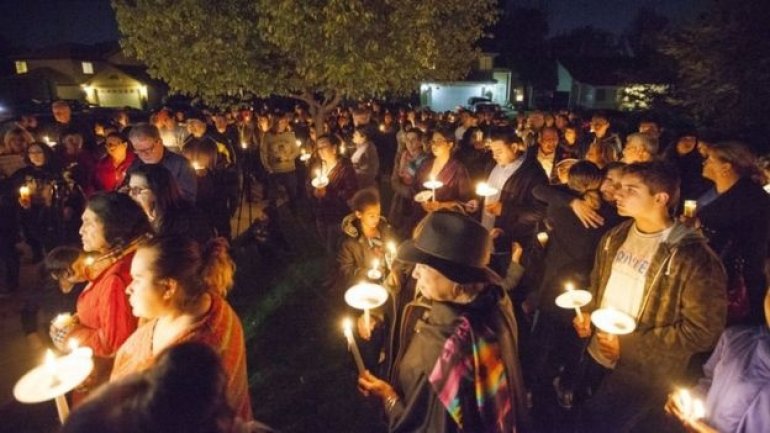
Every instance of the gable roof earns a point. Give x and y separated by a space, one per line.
611 71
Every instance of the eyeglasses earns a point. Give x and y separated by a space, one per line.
134 191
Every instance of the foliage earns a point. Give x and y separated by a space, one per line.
520 36
723 68
318 50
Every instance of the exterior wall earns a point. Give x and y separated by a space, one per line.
565 81
448 96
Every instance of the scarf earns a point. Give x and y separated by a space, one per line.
471 382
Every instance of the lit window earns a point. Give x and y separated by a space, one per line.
21 67
88 68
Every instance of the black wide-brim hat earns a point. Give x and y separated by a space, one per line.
453 244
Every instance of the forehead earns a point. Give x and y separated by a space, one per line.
632 180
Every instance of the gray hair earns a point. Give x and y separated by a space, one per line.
144 130
649 142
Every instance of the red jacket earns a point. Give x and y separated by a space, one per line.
108 177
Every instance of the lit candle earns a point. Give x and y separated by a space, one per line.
299 143
689 208
304 156
24 192
320 180
49 142
483 189
62 320
90 260
390 253
542 237
342 149
365 296
571 288
197 166
374 273
692 408
382 127
347 329
50 364
244 145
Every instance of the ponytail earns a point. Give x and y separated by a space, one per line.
218 269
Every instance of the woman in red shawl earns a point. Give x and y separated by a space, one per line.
179 289
112 226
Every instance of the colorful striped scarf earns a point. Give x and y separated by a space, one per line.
471 382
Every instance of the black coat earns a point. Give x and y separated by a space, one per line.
521 211
737 225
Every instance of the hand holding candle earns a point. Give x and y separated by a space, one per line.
483 189
320 180
686 407
347 329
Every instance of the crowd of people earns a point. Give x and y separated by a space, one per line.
474 223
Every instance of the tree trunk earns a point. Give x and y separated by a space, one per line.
319 109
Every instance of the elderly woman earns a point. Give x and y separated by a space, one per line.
179 288
735 217
459 371
112 227
111 169
736 383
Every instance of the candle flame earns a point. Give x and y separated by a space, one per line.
90 260
244 144
375 264
569 286
392 247
347 327
24 190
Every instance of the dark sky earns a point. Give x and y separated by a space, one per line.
48 22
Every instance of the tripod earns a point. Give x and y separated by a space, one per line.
244 198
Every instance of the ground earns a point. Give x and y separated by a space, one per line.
301 377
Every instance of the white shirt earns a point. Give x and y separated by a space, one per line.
497 178
625 287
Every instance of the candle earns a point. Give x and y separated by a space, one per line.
347 329
692 408
382 127
197 166
299 143
89 260
374 273
542 237
689 208
24 192
365 296
49 142
244 145
320 180
433 187
342 149
390 253
304 156
62 320
483 189
571 288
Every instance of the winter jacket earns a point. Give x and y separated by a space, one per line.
356 254
683 310
521 211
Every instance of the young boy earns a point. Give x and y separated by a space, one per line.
663 275
66 266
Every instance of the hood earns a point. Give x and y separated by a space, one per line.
683 235
351 226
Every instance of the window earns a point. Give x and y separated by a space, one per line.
601 95
21 67
485 63
88 68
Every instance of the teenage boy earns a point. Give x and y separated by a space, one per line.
662 274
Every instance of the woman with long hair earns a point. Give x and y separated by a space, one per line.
154 188
179 288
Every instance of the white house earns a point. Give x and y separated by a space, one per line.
605 83
485 81
97 74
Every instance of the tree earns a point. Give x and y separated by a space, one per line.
318 51
723 69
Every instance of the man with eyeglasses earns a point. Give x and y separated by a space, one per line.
149 148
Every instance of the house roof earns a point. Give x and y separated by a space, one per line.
614 71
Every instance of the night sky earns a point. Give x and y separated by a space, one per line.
37 23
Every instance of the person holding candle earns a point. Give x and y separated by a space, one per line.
736 383
663 274
366 233
445 168
39 189
330 202
735 218
403 177
112 227
178 288
469 333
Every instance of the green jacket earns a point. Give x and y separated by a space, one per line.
683 311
